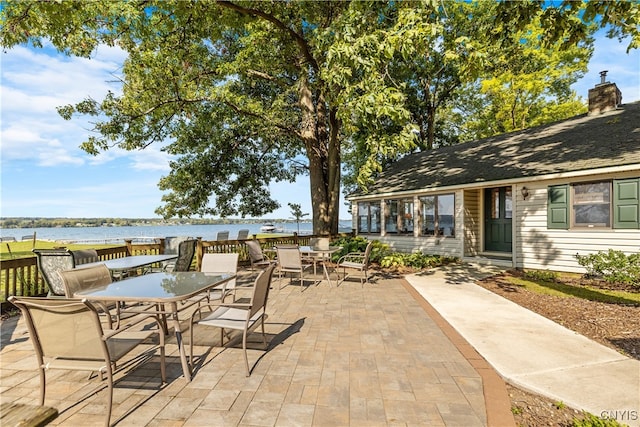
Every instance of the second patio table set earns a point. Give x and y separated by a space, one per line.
315 255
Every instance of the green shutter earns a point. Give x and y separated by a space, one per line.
626 203
558 206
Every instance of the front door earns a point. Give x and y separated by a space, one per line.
497 219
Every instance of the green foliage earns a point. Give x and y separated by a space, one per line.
382 255
416 260
542 275
590 420
359 244
612 266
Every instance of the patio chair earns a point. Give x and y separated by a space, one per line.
290 261
243 234
256 256
171 247
85 256
81 279
240 317
221 263
186 252
320 243
50 262
67 334
222 235
356 261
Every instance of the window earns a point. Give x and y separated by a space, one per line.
592 204
369 217
602 204
398 216
437 215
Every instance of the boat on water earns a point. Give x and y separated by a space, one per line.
268 228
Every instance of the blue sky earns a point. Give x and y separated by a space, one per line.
45 173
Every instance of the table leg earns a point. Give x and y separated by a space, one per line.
183 356
326 273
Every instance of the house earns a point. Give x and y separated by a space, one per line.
527 199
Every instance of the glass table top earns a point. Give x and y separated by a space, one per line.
157 287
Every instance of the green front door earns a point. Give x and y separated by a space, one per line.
497 219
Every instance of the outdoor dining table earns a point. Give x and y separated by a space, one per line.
161 290
125 264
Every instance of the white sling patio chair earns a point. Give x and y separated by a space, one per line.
221 263
290 261
356 261
67 334
81 279
241 317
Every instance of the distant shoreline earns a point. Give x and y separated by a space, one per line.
151 231
56 222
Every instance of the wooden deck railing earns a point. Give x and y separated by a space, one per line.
21 276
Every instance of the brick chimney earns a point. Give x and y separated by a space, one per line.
605 96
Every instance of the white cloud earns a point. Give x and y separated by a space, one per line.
151 159
34 84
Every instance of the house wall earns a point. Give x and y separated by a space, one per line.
538 247
451 246
471 222
535 246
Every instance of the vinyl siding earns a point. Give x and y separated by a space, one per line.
538 247
472 222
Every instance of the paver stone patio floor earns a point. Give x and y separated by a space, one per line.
337 356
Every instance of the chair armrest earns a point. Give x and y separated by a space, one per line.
136 321
351 255
235 305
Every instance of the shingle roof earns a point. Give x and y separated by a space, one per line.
580 143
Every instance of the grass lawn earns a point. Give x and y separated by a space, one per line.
588 292
22 249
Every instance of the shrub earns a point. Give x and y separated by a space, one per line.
359 244
541 275
381 254
416 260
612 266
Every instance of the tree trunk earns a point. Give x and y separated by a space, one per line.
320 133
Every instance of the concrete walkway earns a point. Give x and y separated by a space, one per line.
529 350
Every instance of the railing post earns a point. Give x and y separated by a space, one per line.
199 253
161 250
129 244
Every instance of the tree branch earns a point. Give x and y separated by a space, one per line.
300 41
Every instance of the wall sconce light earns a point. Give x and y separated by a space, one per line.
525 193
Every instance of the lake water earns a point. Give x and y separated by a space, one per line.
147 233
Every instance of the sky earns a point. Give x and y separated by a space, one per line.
44 173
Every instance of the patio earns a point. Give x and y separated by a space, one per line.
378 355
